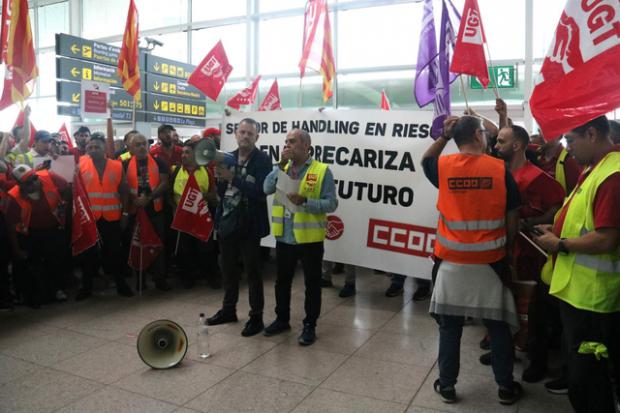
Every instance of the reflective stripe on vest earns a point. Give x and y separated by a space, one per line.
473 225
102 191
472 206
307 227
132 180
588 282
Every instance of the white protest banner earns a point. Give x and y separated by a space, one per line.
387 216
94 101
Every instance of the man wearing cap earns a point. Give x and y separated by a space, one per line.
147 178
39 155
35 217
166 150
214 134
104 182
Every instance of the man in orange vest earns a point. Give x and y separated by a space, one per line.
105 185
147 178
35 218
478 203
541 197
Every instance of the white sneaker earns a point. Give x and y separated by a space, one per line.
61 296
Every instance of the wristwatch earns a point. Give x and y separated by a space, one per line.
562 247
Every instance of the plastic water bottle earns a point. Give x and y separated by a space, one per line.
203 338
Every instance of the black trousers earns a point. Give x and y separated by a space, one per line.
311 257
248 248
590 388
40 275
107 253
194 255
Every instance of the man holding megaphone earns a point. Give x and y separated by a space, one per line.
241 221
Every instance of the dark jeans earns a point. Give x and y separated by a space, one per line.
589 380
502 353
311 256
108 255
40 275
544 325
248 248
193 255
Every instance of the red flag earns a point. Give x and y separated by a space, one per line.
128 66
469 51
192 215
21 66
211 74
145 244
19 121
580 77
272 98
318 32
84 228
64 135
385 103
4 30
245 97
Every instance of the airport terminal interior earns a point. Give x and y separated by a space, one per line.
373 353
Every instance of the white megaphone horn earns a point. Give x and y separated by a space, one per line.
205 152
162 344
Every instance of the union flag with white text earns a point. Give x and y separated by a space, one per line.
192 215
469 55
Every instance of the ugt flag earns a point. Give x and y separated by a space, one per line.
211 74
385 103
272 98
469 51
84 229
580 77
64 135
145 244
192 215
245 97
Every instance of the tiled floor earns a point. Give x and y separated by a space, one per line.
373 354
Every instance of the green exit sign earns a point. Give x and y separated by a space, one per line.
503 76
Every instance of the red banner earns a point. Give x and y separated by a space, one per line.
385 103
64 135
469 50
84 228
145 244
272 99
580 76
245 97
21 66
4 29
128 67
211 74
192 215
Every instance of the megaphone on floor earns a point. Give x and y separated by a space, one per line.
205 152
162 344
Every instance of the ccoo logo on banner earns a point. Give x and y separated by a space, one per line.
386 217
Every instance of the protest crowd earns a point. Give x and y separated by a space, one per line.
528 229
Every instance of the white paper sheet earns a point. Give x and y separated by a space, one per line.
64 166
284 186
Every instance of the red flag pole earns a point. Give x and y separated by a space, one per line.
464 92
493 76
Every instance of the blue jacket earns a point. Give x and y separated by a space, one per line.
258 167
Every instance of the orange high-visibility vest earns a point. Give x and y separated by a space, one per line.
472 209
51 194
132 179
105 200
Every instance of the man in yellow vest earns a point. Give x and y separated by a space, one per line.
299 223
105 185
193 254
585 243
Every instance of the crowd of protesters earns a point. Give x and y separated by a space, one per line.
550 222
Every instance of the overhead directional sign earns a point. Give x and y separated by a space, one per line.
77 70
176 120
169 105
116 114
83 49
172 87
69 92
167 67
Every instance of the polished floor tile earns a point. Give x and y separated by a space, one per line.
243 392
13 368
115 400
401 348
329 401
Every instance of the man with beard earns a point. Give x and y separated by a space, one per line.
166 150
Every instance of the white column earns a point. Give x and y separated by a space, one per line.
529 62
